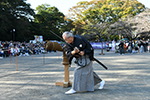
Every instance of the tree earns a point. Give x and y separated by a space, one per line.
15 14
50 18
103 11
140 24
97 32
133 27
121 28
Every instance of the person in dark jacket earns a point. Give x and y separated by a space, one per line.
130 46
84 77
121 47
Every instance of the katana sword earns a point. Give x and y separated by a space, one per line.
71 46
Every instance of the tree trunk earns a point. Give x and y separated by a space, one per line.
102 50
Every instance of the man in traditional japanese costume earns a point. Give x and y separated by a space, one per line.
84 77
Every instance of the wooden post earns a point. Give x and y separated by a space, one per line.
55 46
66 73
66 83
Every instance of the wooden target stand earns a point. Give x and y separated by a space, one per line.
55 46
66 82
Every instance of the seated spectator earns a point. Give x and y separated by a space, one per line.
1 53
17 50
12 51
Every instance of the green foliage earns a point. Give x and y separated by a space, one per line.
96 32
17 14
111 10
14 14
50 18
97 12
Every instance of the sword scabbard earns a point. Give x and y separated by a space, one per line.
100 63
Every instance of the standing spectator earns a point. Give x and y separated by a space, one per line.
146 45
139 45
113 45
107 46
130 46
121 47
136 47
142 47
125 47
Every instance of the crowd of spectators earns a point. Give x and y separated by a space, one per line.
10 48
139 46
